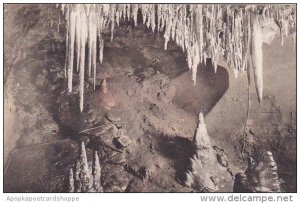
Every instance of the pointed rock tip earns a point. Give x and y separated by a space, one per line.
269 153
96 156
82 147
201 118
104 87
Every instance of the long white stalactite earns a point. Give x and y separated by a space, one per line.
71 35
229 32
83 38
257 56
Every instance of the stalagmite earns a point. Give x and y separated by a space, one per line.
85 176
85 173
193 164
77 177
271 176
189 179
263 176
97 173
71 181
241 184
201 138
252 172
199 173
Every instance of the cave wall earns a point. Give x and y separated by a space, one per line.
271 123
279 76
31 41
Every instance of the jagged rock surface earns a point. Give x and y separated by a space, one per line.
259 177
205 173
85 176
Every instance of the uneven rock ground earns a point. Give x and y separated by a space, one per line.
156 104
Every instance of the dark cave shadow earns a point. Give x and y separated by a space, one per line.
52 47
210 85
179 150
204 95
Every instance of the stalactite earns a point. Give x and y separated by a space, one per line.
71 42
67 42
101 47
202 31
82 58
78 33
94 56
134 13
90 42
112 20
153 18
257 57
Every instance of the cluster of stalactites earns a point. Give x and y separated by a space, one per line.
202 31
85 23
84 176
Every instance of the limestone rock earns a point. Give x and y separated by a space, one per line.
123 141
263 176
200 176
50 126
117 158
241 184
223 160
104 98
85 176
115 119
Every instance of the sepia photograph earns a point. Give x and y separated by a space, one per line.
149 98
